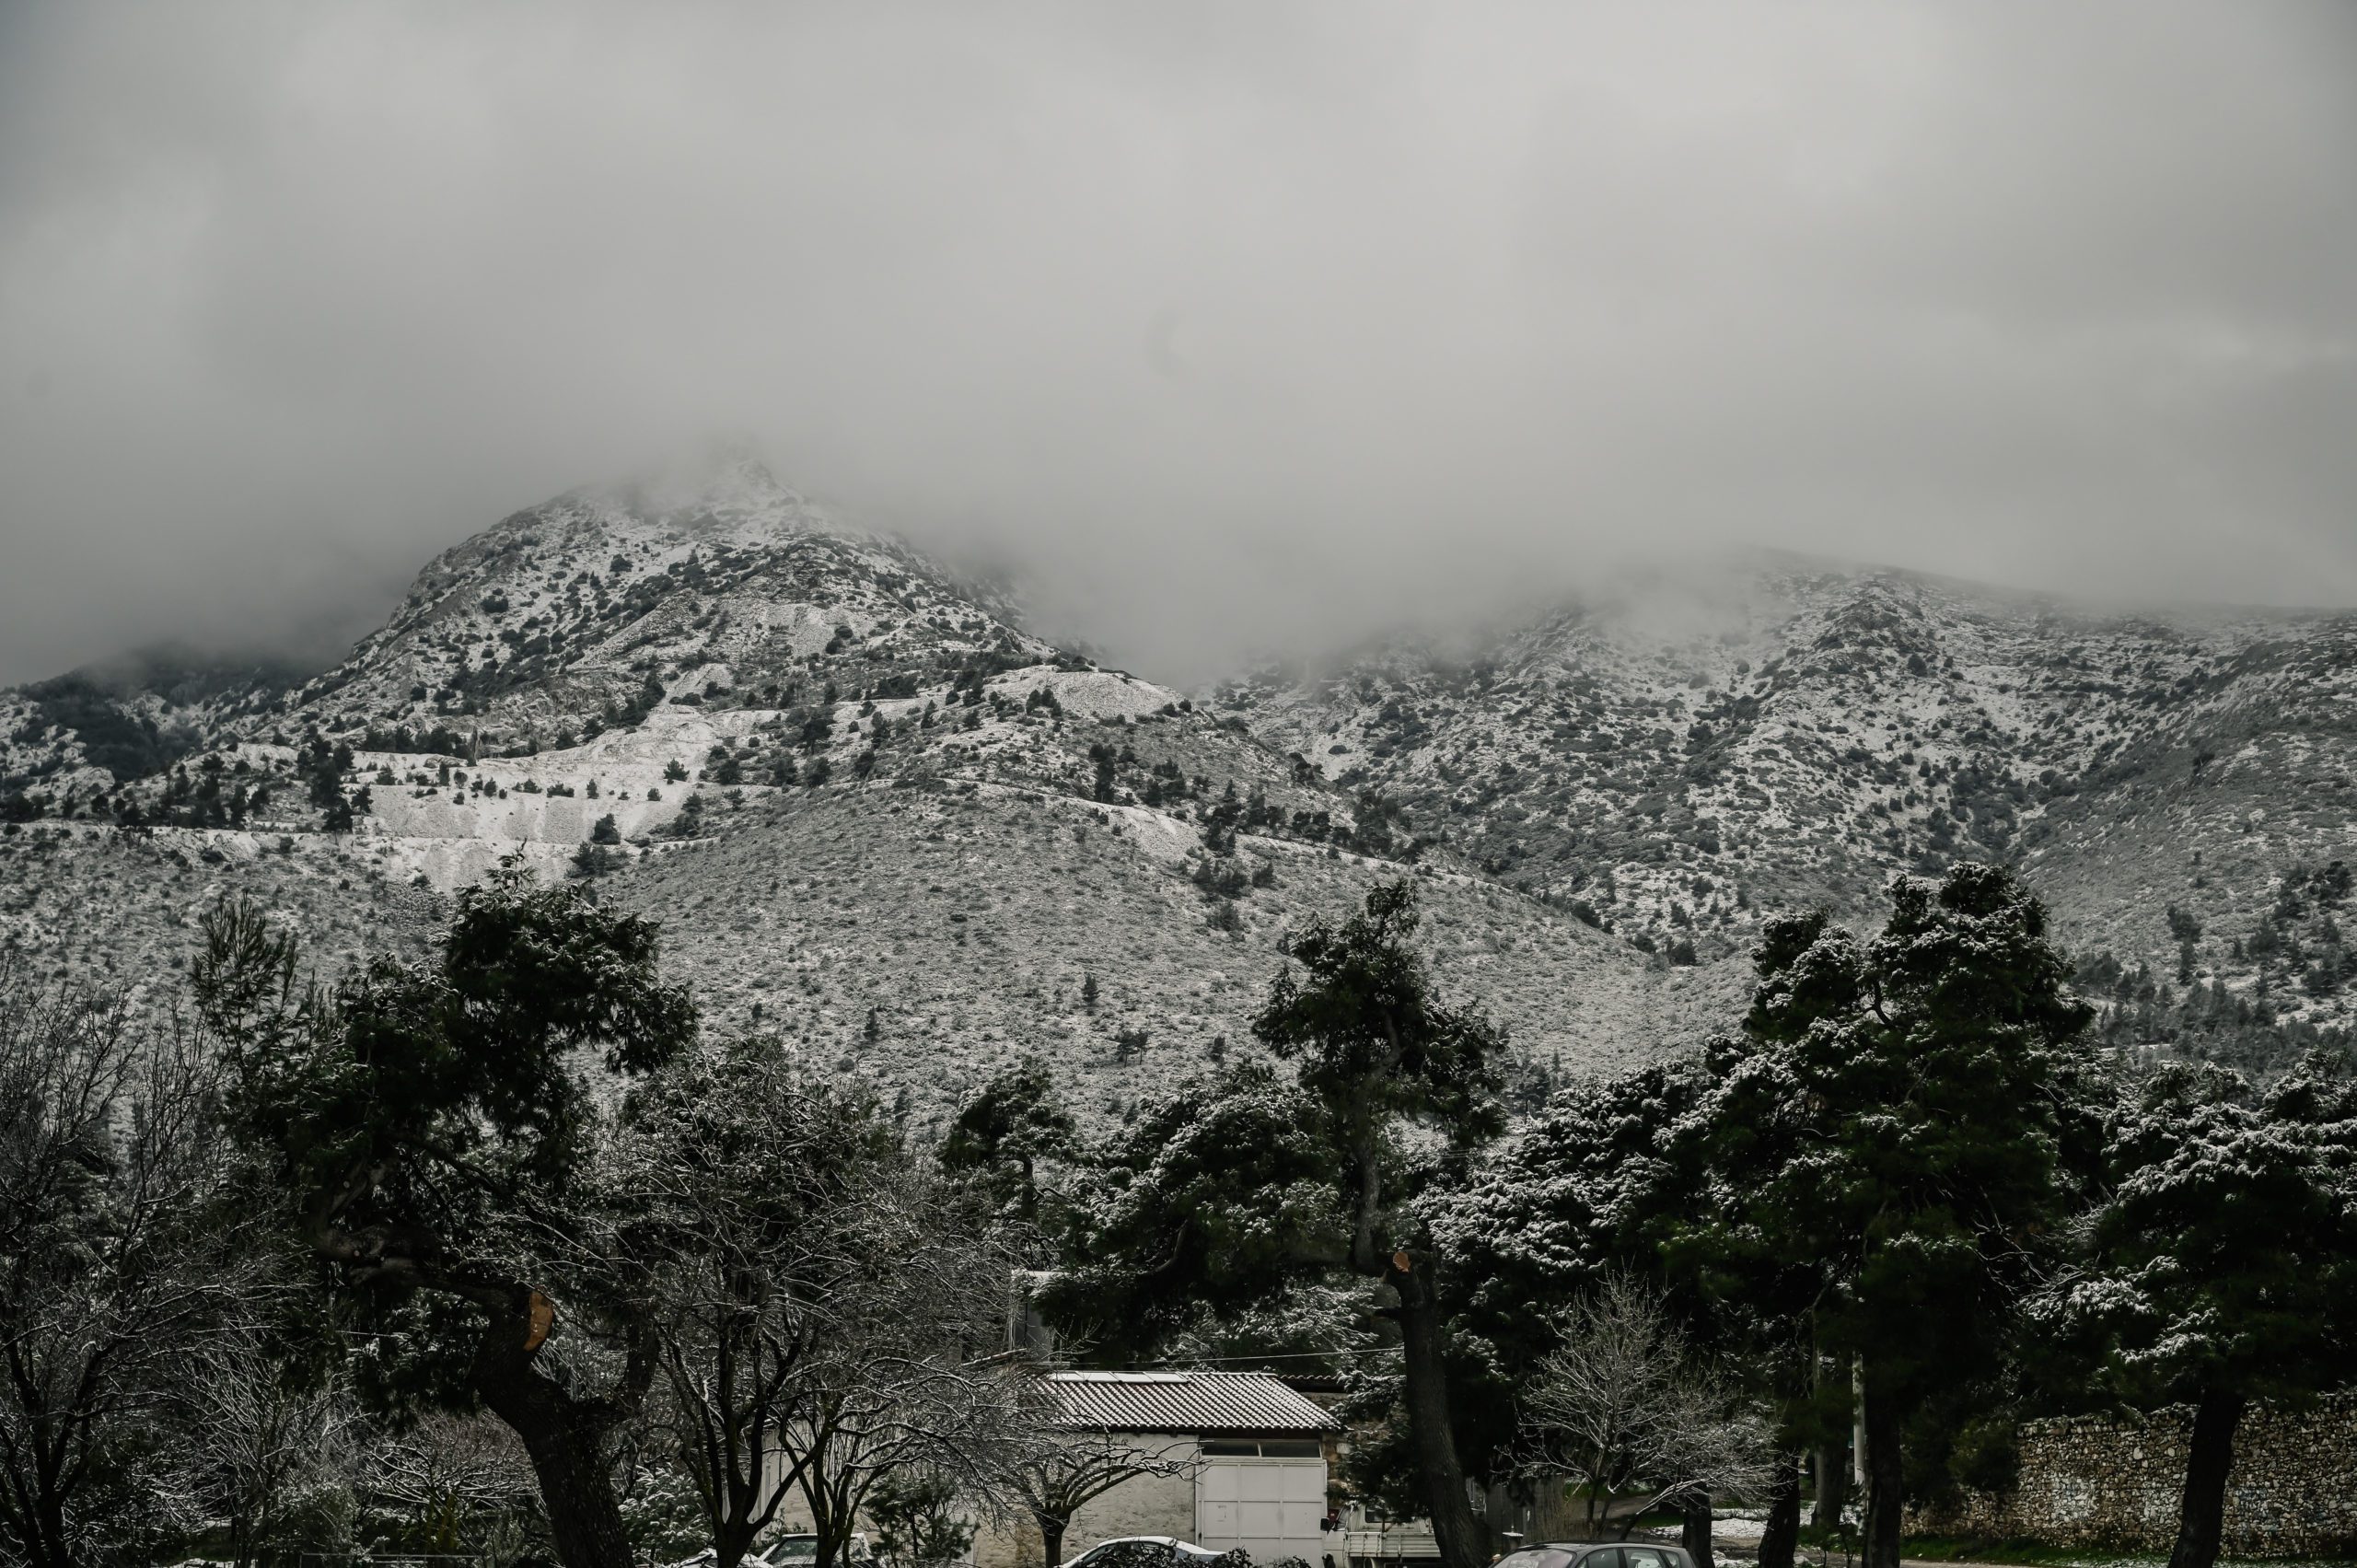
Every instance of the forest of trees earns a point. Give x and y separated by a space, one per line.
499 1254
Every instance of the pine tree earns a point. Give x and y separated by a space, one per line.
1907 1115
1003 1134
1378 1053
2227 1259
401 1112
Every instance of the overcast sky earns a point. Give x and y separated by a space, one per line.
1232 316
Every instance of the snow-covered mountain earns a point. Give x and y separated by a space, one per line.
880 819
1677 757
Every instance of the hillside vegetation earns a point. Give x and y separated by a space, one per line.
879 819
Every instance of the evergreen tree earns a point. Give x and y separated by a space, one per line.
1005 1130
1903 1114
1378 1053
432 1125
2226 1260
1216 1198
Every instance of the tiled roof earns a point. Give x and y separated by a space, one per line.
1186 1401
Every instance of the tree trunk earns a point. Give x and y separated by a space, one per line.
731 1540
566 1442
1832 1466
2202 1518
1463 1539
1052 1537
1781 1533
1831 1459
577 1486
1885 1476
1694 1532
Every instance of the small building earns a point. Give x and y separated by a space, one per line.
1255 1473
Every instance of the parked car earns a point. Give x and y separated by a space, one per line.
800 1551
1148 1551
786 1552
1583 1554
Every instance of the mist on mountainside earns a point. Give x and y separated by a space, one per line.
1232 328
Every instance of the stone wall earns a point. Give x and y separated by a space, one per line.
2109 1481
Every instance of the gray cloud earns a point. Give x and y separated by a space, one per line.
1242 321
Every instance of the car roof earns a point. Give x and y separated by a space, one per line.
1595 1545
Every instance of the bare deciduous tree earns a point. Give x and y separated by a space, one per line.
259 1442
459 1479
1624 1409
119 1246
1065 1467
910 1373
746 1198
826 1312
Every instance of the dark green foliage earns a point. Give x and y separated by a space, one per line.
1380 1055
2227 1251
1216 1197
1002 1137
127 744
440 740
1220 820
1912 1114
417 1112
1372 1039
432 1126
917 1522
2226 1260
1608 1176
2203 1022
1222 879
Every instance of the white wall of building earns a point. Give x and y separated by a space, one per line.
1143 1505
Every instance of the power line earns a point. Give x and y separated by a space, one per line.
1290 1355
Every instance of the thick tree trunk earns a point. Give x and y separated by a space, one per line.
1781 1533
2202 1518
1051 1538
1694 1532
1885 1476
566 1439
731 1540
1463 1539
1831 1463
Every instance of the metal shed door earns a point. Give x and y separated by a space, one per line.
1270 1507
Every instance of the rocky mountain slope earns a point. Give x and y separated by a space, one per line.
882 821
1676 759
